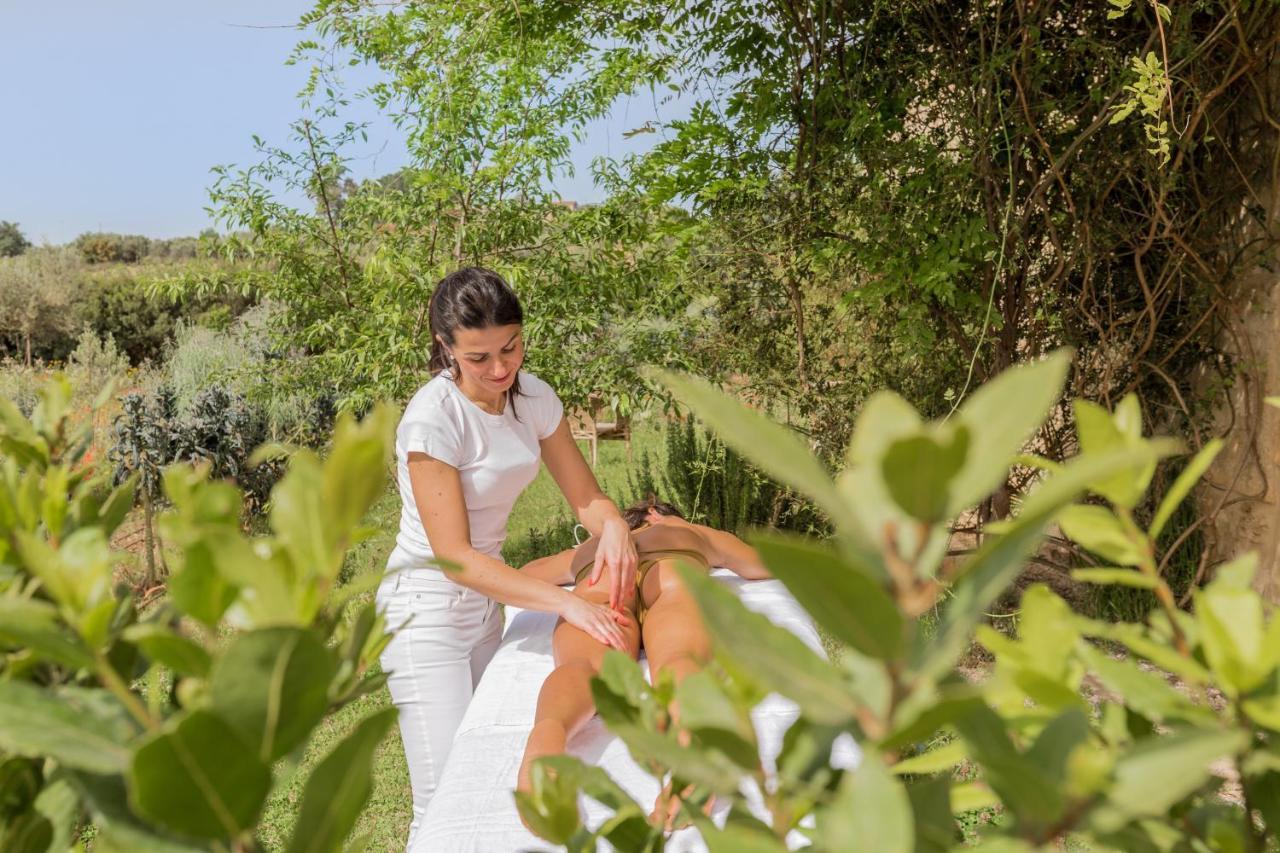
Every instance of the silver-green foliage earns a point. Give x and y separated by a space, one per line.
95 363
1132 774
165 727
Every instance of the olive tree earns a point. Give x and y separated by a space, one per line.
12 240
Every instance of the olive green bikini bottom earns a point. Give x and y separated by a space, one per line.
649 559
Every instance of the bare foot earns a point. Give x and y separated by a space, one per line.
525 801
547 738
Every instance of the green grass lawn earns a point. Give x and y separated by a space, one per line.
540 519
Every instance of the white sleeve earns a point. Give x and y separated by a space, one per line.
544 405
432 432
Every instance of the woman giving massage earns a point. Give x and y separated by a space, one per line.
470 441
666 620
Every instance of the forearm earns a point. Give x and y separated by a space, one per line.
597 512
507 585
556 568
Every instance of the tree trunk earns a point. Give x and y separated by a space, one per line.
1241 491
149 539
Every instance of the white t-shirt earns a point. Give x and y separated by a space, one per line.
496 456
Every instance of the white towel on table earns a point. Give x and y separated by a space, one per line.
473 810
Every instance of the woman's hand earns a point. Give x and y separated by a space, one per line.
599 622
617 553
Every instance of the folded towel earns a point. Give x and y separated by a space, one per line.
473 808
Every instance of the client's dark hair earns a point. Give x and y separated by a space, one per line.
470 298
636 513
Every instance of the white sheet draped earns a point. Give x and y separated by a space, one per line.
473 810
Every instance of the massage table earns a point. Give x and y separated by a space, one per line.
473 810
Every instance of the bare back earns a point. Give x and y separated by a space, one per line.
654 538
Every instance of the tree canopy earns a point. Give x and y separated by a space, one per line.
12 241
862 194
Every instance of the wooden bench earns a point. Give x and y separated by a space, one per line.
599 422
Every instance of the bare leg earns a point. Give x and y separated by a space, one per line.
675 641
565 703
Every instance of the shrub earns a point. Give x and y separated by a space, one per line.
20 384
219 429
95 363
142 445
1181 546
12 241
241 360
203 357
116 303
222 430
131 303
294 411
165 730
177 248
1133 773
102 248
715 485
144 438
302 418
37 290
537 542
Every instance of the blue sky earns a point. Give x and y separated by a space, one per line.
114 112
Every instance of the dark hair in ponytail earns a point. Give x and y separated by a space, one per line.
470 298
636 514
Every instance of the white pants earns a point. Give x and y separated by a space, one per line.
433 665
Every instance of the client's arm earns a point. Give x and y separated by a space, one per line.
555 568
726 550
733 554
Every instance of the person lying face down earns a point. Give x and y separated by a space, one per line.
665 622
